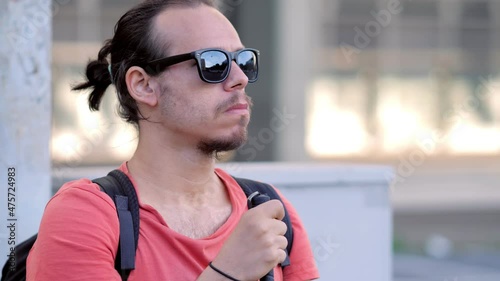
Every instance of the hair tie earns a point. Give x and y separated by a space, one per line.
110 73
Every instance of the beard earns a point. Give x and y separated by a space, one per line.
211 147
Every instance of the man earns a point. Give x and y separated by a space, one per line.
187 108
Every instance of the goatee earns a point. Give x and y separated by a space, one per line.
211 147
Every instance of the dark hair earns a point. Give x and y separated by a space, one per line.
133 44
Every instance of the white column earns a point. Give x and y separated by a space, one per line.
25 116
295 45
495 25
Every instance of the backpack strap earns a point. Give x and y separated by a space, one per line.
118 186
18 261
250 187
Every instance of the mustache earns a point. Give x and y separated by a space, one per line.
232 101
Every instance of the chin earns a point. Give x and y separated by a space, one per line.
222 144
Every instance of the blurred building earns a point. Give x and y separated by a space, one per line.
340 79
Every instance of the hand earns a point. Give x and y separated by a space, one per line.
256 245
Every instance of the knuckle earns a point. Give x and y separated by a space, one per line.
258 228
252 220
276 257
273 256
268 242
277 204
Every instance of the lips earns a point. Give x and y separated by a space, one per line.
239 106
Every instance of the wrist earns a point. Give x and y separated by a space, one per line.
211 275
222 273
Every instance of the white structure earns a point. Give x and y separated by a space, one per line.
25 117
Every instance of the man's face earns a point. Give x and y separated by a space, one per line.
212 117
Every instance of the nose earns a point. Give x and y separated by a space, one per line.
236 79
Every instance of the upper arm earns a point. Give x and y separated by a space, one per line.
78 237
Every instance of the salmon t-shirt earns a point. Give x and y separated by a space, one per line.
78 240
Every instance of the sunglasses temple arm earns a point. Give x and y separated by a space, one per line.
158 65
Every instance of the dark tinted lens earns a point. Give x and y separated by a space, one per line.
214 65
247 61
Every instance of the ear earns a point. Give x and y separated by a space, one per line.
141 86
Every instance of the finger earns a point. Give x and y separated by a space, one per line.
281 242
276 209
278 256
281 255
279 227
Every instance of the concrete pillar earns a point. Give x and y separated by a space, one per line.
25 116
254 21
294 59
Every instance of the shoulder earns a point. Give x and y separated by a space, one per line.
79 204
79 221
81 190
79 197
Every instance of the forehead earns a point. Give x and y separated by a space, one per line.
186 29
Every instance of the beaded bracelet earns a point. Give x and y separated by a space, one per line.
222 273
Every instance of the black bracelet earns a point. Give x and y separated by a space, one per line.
222 273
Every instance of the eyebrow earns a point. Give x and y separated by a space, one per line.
230 49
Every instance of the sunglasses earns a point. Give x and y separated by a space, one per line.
213 64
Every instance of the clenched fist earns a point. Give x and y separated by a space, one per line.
256 245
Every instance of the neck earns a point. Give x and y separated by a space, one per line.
165 169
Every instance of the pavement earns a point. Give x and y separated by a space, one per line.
420 268
448 209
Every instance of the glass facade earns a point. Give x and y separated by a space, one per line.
392 76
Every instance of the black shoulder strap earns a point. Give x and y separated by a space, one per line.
249 187
15 267
118 186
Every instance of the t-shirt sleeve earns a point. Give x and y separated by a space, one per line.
78 237
302 264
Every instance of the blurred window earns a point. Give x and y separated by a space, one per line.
422 78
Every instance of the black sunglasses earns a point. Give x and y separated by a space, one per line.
214 65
